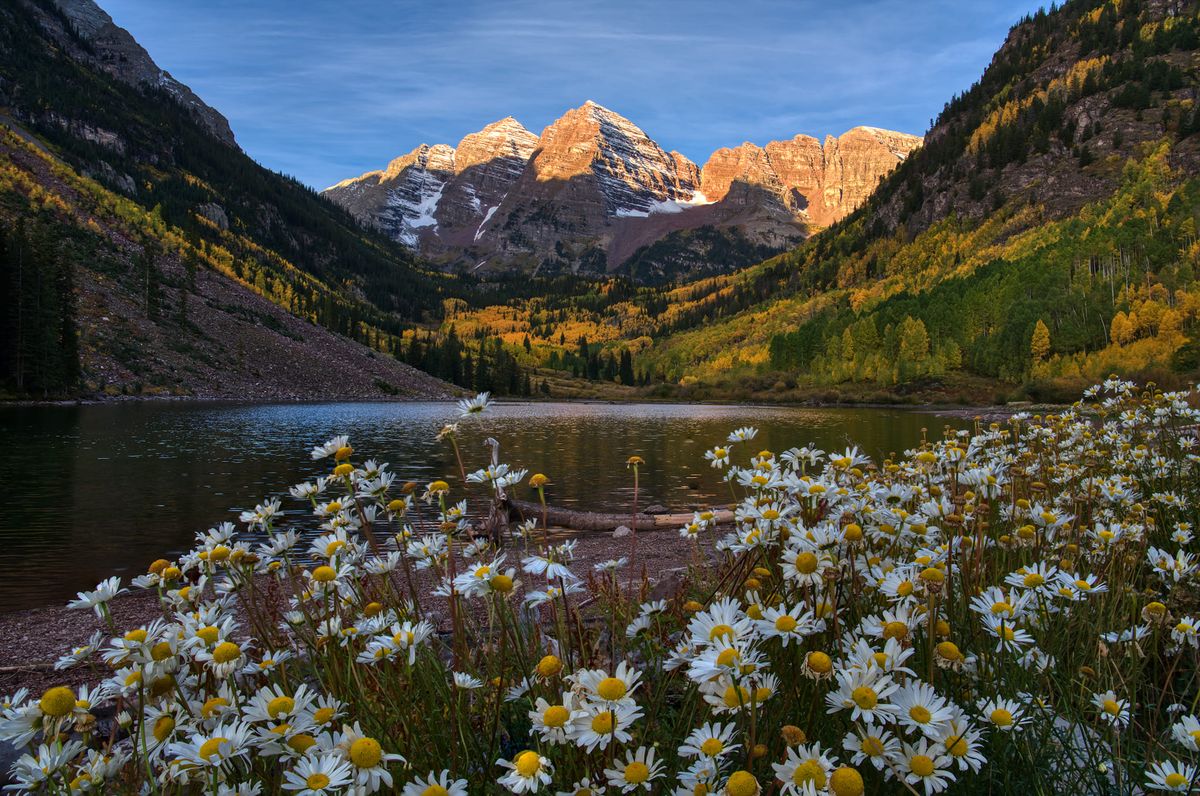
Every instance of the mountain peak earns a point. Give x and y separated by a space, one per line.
505 138
595 180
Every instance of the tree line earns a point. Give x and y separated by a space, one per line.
39 335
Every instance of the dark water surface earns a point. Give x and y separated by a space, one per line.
93 491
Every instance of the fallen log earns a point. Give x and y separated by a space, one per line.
521 510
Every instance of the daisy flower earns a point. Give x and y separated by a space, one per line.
638 771
921 709
1112 710
99 598
710 740
318 775
873 743
927 765
602 687
595 725
804 771
436 784
864 693
476 405
1171 776
527 772
550 721
1187 732
1003 714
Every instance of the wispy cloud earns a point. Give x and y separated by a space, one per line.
326 90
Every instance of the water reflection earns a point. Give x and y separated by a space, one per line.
99 490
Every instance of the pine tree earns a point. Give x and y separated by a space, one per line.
626 368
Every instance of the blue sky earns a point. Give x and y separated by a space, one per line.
328 89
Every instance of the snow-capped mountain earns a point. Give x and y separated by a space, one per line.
593 189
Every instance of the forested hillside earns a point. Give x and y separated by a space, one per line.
187 200
1056 195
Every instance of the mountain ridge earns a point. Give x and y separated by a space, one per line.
594 188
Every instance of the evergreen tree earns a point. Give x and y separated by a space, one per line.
626 368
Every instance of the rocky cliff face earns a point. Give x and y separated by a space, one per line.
119 54
594 189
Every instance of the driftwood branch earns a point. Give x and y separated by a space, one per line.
600 521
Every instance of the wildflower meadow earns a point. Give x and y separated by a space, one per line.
1008 609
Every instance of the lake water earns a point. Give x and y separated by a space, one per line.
93 491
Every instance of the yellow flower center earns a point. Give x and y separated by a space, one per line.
741 783
549 666
211 747
528 764
208 635
736 696
226 651
501 583
58 701
137 636
637 773
846 781
921 765
1110 707
280 705
163 727
720 631
786 623
806 563
959 748
865 697
809 772
555 716
873 746
819 662
897 630
317 781
602 723
324 574
366 753
611 689
1175 780
212 706
1033 580
712 747
161 651
727 657
322 715
435 790
919 714
1001 717
905 589
301 743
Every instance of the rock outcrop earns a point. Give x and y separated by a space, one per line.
118 53
594 188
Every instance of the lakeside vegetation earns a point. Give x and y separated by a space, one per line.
1006 609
